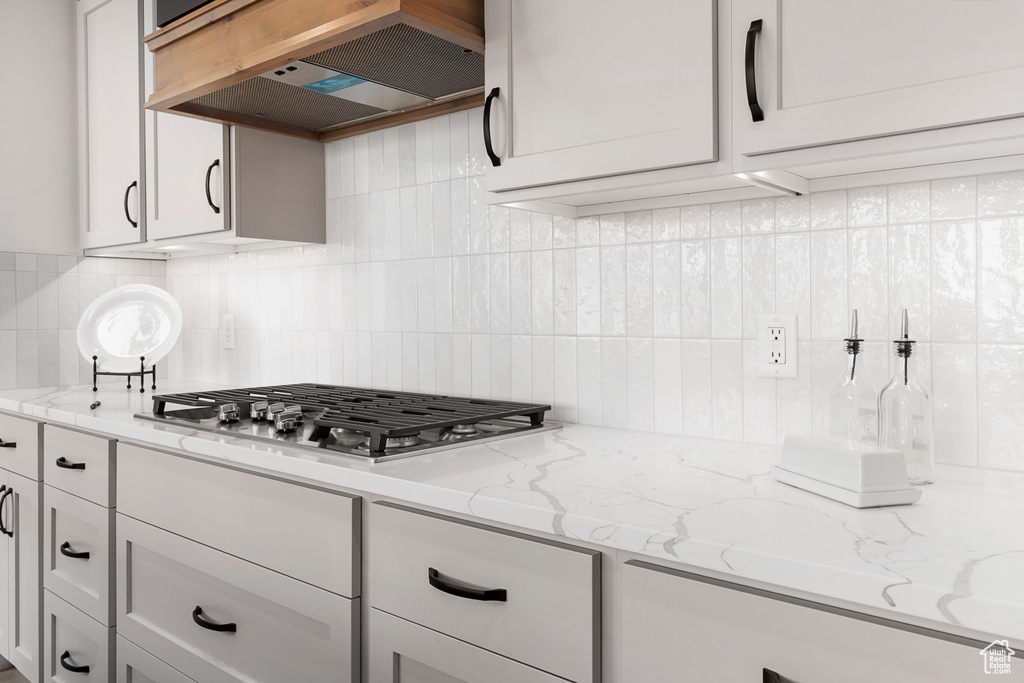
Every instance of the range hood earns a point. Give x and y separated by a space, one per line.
320 69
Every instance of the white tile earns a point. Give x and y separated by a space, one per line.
759 407
407 155
910 279
565 407
588 231
427 363
1000 281
955 403
520 293
828 359
613 229
501 367
366 355
332 167
459 141
462 350
954 281
479 293
392 225
588 370
460 217
519 230
793 214
375 170
424 308
867 206
1001 406
909 202
727 389
27 354
542 292
564 232
69 361
479 231
793 407
498 222
543 369
828 210
367 221
758 216
408 237
27 310
954 198
588 292
522 368
9 361
394 274
869 281
8 260
541 231
461 307
667 289
726 276
829 302
793 279
364 291
360 165
352 357
49 358
639 291
9 299
1001 194
640 384
411 362
638 227
564 294
443 295
424 221
758 280
668 386
694 222
445 364
425 151
440 148
442 207
478 161
665 224
613 290
499 294
614 378
726 219
394 361
47 290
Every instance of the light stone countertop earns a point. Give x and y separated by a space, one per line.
954 561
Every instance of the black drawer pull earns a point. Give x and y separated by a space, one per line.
68 465
3 494
756 114
769 676
135 183
197 616
488 147
209 197
445 586
66 551
71 667
8 444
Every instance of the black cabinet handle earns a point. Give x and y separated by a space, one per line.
445 586
66 551
491 96
769 676
197 616
3 500
71 667
3 494
756 114
66 464
8 444
209 197
135 183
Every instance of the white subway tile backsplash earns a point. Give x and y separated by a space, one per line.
867 206
955 391
1001 194
613 290
726 288
522 368
588 291
758 281
954 282
727 389
666 226
588 369
1001 406
613 229
954 198
667 289
667 362
828 210
1001 280
759 405
869 274
726 219
479 294
910 279
640 384
564 294
697 399
501 367
758 216
638 227
793 214
499 294
520 293
639 291
519 230
542 292
541 231
829 303
614 376
566 380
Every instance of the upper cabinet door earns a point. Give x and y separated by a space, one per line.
590 88
827 72
110 106
187 176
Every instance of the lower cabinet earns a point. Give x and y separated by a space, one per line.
76 647
135 665
20 557
681 627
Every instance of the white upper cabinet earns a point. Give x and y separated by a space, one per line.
38 171
591 88
110 107
828 72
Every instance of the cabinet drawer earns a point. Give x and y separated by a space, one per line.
72 526
135 665
306 533
74 639
174 593
23 456
681 628
402 652
545 583
80 463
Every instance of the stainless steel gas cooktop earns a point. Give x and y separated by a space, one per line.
362 423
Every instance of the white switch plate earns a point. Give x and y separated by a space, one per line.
776 345
227 331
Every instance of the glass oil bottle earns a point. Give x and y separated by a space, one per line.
905 413
853 402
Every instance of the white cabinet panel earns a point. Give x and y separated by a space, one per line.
110 109
135 665
80 463
828 72
591 88
22 515
20 450
78 649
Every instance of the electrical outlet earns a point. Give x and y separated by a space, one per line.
776 345
227 331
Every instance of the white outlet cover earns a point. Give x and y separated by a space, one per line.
765 366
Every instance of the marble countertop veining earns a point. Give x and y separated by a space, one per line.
954 560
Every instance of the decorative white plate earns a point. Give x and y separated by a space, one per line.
129 322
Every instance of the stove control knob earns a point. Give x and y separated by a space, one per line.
273 409
228 412
258 410
287 420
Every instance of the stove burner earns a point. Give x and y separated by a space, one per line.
228 413
459 432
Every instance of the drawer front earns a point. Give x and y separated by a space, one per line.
682 629
135 665
74 640
403 652
285 630
80 463
306 533
545 583
21 439
73 527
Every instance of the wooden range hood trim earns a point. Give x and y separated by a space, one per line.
229 41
